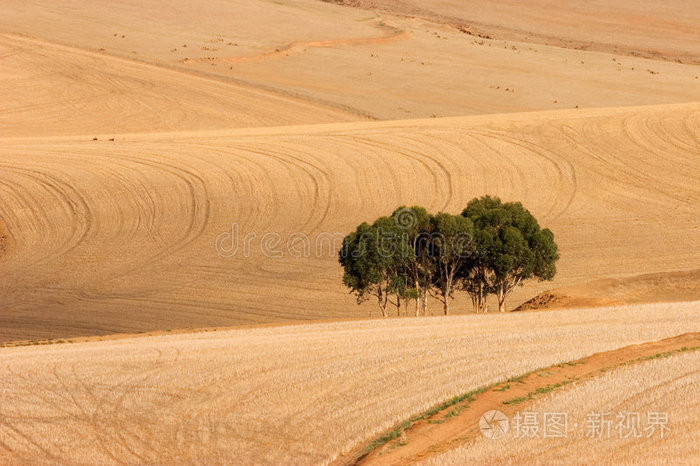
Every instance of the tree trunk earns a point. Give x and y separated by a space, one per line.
386 303
481 298
382 297
418 296
425 304
501 301
398 305
503 290
449 283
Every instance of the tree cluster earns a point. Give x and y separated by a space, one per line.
491 248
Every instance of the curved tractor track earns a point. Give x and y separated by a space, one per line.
134 223
51 89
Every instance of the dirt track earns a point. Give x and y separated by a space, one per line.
445 430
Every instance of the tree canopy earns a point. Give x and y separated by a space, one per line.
514 246
491 248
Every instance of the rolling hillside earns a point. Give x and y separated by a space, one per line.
121 236
386 64
187 171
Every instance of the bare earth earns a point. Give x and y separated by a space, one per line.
366 63
645 288
663 30
50 89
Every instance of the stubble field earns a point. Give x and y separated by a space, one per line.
300 394
635 405
177 165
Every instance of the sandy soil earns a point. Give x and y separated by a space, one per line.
134 222
366 63
458 424
646 288
661 30
49 89
280 395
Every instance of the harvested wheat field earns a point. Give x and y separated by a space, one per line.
179 180
300 394
652 407
388 64
135 221
467 418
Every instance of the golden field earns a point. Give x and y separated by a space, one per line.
134 222
385 64
170 166
655 393
294 394
103 236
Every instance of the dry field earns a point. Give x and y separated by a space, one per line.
215 109
663 30
669 386
49 89
174 164
364 63
134 222
299 394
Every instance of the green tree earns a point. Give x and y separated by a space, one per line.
362 271
373 258
511 248
452 246
491 248
395 255
414 224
